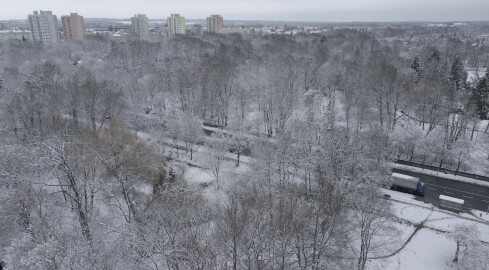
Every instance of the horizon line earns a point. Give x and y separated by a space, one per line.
295 21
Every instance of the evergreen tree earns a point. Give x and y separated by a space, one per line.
417 67
435 56
458 74
480 97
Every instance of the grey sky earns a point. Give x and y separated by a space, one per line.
288 10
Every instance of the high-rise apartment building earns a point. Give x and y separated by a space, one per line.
73 28
214 23
139 25
44 26
176 24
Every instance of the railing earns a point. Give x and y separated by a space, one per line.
484 177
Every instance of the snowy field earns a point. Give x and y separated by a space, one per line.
431 247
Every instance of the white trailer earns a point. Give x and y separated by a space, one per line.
405 181
451 203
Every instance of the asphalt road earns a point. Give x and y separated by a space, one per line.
475 197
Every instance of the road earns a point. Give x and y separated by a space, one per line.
475 197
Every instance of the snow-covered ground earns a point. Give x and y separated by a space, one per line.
431 247
472 74
427 250
427 246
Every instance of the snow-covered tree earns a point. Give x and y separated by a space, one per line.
417 66
471 252
191 132
457 73
480 97
217 148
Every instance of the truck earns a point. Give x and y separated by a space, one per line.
407 183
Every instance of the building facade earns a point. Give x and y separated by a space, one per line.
5 26
73 27
139 25
44 26
176 24
214 23
195 29
15 34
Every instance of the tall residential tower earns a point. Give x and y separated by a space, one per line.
214 23
44 26
139 25
73 28
176 24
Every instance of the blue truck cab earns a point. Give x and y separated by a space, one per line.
420 188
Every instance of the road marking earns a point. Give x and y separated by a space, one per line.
467 197
485 201
470 193
482 191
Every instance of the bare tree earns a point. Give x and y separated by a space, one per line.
101 101
78 177
217 149
238 141
232 227
132 164
474 252
372 215
191 133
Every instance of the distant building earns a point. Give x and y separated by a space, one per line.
15 34
243 31
5 26
139 25
215 23
44 26
176 24
117 36
195 29
73 28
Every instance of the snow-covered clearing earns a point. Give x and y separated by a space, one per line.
427 250
430 247
473 74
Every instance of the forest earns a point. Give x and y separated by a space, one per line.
96 137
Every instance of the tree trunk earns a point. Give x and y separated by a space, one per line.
456 253
235 253
422 117
473 130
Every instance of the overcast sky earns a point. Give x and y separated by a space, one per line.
284 10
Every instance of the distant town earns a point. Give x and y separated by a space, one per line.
44 26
